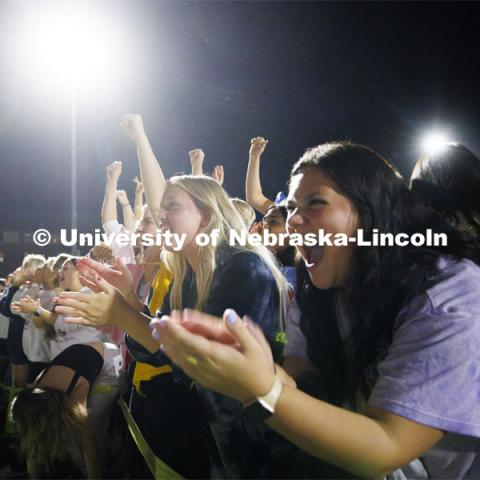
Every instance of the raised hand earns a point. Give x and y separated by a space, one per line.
196 159
218 174
116 275
132 125
257 146
114 170
138 186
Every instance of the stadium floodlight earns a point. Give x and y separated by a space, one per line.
70 46
435 142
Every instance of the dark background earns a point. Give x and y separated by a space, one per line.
215 74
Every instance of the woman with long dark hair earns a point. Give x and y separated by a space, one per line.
449 180
394 332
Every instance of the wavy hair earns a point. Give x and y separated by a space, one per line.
212 200
50 425
384 278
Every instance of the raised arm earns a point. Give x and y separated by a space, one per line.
253 188
138 206
150 172
128 215
109 208
196 159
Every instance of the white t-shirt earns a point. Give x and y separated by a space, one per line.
67 334
125 252
35 346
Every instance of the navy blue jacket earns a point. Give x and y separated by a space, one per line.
241 448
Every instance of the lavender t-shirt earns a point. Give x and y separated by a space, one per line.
431 374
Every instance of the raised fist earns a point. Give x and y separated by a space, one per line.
196 156
257 146
218 174
114 170
122 198
133 126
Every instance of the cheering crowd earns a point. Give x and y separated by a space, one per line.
242 361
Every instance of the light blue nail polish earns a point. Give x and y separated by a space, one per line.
231 317
156 335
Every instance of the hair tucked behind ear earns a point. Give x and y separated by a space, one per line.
50 425
384 278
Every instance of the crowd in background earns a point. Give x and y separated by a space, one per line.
368 358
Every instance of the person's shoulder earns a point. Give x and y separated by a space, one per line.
456 285
237 256
454 290
237 260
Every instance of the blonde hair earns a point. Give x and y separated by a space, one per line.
214 203
59 260
245 211
50 425
32 261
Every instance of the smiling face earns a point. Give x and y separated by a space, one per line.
274 222
316 203
69 277
179 215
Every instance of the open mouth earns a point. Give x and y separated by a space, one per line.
313 256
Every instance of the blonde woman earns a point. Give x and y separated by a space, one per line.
211 279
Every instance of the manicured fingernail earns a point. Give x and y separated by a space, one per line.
156 335
231 317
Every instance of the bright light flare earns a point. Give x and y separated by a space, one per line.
68 42
435 142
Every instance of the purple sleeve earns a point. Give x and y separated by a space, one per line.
296 342
431 374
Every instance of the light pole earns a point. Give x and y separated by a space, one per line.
73 160
70 45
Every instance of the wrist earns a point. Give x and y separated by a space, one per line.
259 390
263 407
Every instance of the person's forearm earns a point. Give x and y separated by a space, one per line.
151 175
109 207
129 219
351 441
197 169
136 324
138 206
253 187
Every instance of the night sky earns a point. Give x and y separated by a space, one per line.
215 74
